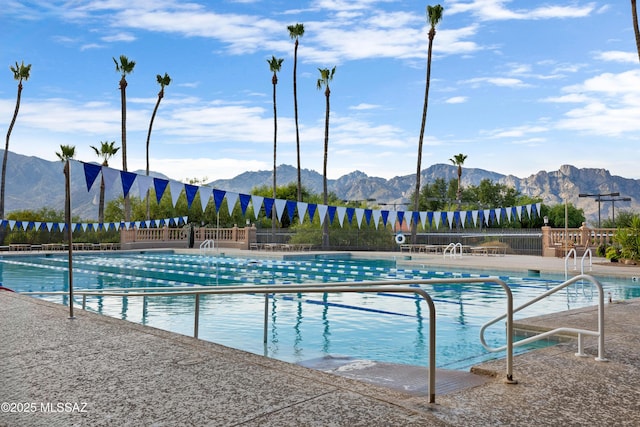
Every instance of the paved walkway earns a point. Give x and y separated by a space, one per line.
95 370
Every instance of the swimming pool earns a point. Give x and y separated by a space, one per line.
382 327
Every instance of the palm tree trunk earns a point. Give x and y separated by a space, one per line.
6 152
275 138
295 109
325 197
101 202
416 207
153 116
123 93
67 219
634 14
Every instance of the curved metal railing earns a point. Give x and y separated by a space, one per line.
581 332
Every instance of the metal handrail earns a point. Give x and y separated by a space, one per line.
302 287
451 247
566 262
207 244
580 332
586 252
289 289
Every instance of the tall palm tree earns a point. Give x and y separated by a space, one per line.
105 152
124 67
326 76
162 81
434 16
274 66
458 160
295 32
20 72
634 14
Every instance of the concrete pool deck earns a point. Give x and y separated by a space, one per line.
96 370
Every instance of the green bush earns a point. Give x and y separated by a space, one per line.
613 254
628 239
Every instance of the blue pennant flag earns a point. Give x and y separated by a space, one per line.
91 172
160 185
385 215
291 209
218 197
244 202
350 213
415 217
268 205
127 181
311 208
367 215
400 217
331 212
190 191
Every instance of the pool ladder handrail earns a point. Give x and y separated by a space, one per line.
580 332
575 261
451 248
206 245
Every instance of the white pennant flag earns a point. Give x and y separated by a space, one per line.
359 216
322 213
176 188
280 206
376 217
302 210
341 211
232 199
256 201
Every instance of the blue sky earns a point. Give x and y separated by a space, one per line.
518 86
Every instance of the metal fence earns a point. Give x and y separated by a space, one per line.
517 241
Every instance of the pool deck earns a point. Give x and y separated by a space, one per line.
96 370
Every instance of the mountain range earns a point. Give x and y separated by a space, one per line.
33 183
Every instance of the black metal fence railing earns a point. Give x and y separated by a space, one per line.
517 241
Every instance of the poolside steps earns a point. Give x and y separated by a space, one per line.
405 378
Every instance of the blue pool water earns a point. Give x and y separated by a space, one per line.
382 327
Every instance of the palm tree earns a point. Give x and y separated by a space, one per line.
295 32
106 151
20 72
434 16
458 160
274 67
162 81
326 76
124 67
634 14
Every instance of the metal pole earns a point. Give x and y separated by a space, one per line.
67 173
613 211
266 316
196 321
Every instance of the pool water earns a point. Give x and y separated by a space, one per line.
381 327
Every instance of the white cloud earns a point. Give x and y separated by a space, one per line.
618 56
120 37
496 10
457 100
364 106
496 81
